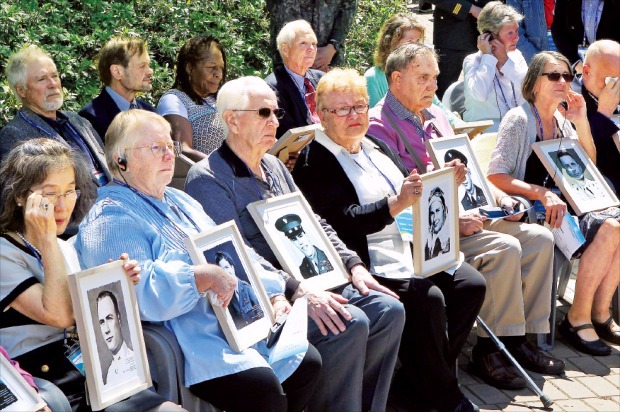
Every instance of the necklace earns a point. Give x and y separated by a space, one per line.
34 250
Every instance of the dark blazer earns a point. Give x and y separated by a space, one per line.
20 129
453 27
332 196
567 27
101 111
307 268
479 199
290 99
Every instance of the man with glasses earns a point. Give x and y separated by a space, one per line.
124 69
34 79
355 327
514 258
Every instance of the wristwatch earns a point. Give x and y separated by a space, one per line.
337 45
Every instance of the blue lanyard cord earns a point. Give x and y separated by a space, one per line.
540 127
270 175
33 249
421 132
180 231
389 182
501 89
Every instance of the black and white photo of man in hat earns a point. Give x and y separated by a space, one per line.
474 196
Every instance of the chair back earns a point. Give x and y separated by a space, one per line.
182 165
454 97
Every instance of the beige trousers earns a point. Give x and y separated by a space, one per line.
516 259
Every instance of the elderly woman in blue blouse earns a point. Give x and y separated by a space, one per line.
494 74
138 213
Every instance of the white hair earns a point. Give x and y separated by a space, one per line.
289 31
236 94
496 14
17 66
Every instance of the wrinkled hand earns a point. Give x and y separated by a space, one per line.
499 51
609 98
281 306
484 44
508 204
325 308
131 268
475 11
292 159
324 56
411 189
39 220
459 169
470 224
218 281
363 281
555 209
576 107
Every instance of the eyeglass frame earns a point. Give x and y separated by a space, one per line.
176 148
279 112
57 196
560 76
351 108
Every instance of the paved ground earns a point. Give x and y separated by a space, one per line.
591 383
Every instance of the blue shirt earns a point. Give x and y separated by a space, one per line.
122 221
122 103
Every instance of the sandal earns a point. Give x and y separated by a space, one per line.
605 331
569 332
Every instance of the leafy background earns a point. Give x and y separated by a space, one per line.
74 31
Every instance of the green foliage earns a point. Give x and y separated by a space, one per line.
73 31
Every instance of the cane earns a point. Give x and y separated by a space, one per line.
502 348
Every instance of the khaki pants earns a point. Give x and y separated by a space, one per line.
516 260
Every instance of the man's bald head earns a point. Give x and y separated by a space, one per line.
602 60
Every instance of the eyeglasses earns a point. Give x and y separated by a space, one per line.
160 148
346 110
213 69
70 195
555 76
265 112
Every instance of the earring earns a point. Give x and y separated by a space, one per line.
19 204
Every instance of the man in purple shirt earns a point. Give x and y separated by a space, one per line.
514 258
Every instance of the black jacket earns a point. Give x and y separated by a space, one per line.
290 98
331 194
453 27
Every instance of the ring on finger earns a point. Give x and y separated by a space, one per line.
44 206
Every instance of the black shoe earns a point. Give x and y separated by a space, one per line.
494 370
531 358
465 405
594 348
603 330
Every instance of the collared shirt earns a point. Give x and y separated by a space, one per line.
122 368
591 16
122 103
297 79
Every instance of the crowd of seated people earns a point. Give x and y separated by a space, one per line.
100 179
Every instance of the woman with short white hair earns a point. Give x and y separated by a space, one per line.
494 74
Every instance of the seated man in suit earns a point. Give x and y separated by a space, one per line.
34 79
294 82
123 65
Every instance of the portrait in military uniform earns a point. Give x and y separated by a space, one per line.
244 307
315 261
472 196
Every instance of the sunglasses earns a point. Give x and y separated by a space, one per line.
555 77
265 112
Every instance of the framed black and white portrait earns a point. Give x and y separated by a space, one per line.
436 224
575 174
474 192
248 317
298 240
111 340
16 395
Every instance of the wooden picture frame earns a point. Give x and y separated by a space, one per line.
575 174
474 191
436 241
16 394
293 141
294 216
108 320
243 325
472 129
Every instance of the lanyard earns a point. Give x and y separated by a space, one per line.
501 89
271 176
540 127
421 132
33 249
154 206
389 182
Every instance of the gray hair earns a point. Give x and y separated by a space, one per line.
121 133
17 66
404 55
536 68
288 32
236 94
494 15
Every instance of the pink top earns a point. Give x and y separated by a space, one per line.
25 374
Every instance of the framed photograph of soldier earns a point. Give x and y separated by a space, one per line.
298 240
472 129
248 317
474 192
15 393
576 175
436 224
110 333
293 141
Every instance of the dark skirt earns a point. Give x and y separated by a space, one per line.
591 222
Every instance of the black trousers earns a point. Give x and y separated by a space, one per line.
450 67
258 389
429 348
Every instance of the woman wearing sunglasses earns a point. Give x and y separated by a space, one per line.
494 74
516 169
